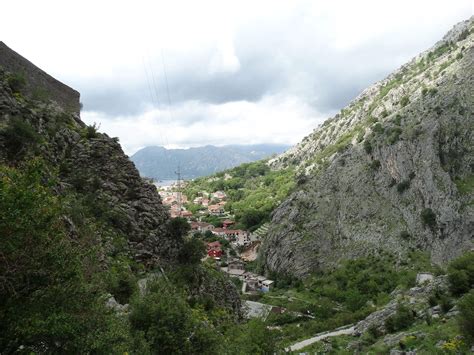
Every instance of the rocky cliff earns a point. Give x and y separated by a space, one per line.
105 200
89 164
392 171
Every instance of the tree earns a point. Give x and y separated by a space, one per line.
168 322
192 252
461 274
251 338
466 316
178 227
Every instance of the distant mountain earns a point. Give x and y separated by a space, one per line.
161 163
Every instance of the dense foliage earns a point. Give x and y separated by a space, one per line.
341 296
48 294
466 316
253 190
54 284
461 274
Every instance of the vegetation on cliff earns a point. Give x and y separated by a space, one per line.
81 233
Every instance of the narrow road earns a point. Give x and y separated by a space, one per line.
302 344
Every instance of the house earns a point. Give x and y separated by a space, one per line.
216 210
201 226
214 249
214 253
213 245
236 268
257 283
266 285
219 195
186 214
226 223
242 238
233 234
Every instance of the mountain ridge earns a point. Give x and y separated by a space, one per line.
160 163
386 173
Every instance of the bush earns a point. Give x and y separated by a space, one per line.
393 135
404 235
461 274
375 165
367 147
403 186
192 251
428 217
178 227
377 128
19 137
251 338
404 101
92 131
402 319
466 317
168 323
16 82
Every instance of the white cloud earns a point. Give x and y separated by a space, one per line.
224 59
240 71
273 119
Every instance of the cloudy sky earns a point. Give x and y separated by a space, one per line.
190 73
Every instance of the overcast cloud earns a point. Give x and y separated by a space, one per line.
239 72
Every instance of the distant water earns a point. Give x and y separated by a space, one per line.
164 183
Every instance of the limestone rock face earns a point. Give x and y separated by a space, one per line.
393 171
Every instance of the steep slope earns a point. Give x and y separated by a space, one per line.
393 171
160 163
91 164
82 236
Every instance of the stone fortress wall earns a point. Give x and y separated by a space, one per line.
38 82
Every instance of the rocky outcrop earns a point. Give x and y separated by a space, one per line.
393 171
417 299
104 196
90 164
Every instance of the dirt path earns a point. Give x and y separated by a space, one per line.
347 330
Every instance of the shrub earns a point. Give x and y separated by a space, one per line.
16 82
192 251
377 128
178 227
375 165
393 135
404 235
397 120
428 217
19 137
403 186
367 147
404 101
402 319
466 317
432 91
461 274
168 323
92 131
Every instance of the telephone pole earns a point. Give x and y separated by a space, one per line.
178 183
